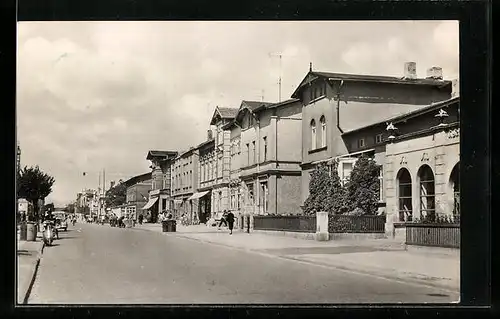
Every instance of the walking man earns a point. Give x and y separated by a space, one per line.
223 219
230 221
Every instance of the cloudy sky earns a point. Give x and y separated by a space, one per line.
99 95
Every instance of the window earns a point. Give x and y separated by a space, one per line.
238 200
381 182
311 93
323 131
233 200
264 198
265 148
313 135
164 203
248 154
346 171
253 152
316 92
378 138
404 195
427 193
455 184
250 194
361 142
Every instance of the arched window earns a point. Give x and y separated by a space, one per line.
323 131
455 186
427 193
404 195
313 135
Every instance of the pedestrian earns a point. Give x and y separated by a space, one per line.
140 219
230 221
223 220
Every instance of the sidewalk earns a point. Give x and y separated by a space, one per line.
28 258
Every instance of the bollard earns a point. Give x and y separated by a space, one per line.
322 226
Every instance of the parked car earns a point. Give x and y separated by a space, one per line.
61 224
61 221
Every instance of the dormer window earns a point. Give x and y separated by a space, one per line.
361 143
378 138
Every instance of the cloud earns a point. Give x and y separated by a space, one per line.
99 95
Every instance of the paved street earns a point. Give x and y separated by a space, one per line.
100 264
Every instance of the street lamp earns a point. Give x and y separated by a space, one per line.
441 116
392 131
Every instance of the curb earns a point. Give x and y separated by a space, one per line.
355 270
33 277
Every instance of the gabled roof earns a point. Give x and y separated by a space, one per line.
313 75
223 112
165 154
252 105
407 115
275 105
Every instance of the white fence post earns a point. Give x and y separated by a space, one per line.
322 226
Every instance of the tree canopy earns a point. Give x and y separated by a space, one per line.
116 195
33 184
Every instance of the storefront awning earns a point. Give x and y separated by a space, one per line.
150 203
198 195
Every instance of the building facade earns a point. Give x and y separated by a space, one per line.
160 194
221 157
266 159
185 184
421 173
206 178
335 104
138 188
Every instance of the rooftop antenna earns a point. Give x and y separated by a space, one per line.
279 55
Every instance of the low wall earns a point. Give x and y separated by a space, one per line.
299 235
312 236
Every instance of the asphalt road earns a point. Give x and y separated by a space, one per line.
93 264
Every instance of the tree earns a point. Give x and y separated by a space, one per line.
116 195
363 187
338 194
34 185
319 190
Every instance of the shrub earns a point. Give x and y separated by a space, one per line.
363 187
319 191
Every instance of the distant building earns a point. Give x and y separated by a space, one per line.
185 183
206 178
160 194
138 188
220 159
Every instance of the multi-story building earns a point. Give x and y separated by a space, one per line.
221 160
138 188
160 194
269 164
235 187
185 184
334 104
206 177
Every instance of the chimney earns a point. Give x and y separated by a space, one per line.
410 70
455 88
435 73
209 135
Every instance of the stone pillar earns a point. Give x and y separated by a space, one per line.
322 226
